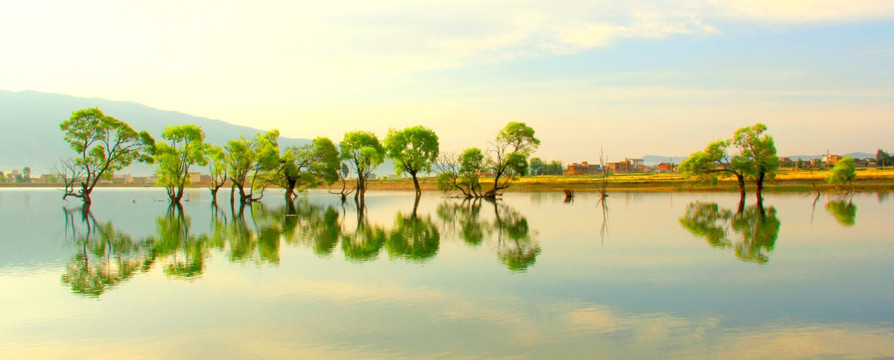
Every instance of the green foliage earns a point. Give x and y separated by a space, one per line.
709 161
103 145
309 165
363 151
461 172
413 149
844 172
757 158
509 155
185 147
217 167
253 163
756 229
413 238
845 212
520 138
882 158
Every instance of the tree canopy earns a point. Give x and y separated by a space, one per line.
508 155
748 154
413 149
363 151
252 162
308 165
844 172
185 147
103 145
757 154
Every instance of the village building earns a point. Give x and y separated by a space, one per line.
626 166
667 167
583 168
831 160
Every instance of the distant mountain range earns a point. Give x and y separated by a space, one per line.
30 135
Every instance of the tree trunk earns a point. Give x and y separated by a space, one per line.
290 189
741 179
416 183
760 185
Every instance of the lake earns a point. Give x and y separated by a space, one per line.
640 275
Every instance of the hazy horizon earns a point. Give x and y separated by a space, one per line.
631 78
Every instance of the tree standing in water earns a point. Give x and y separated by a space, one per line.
103 145
185 147
413 149
364 153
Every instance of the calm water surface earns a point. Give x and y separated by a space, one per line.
645 276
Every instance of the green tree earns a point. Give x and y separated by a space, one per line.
882 158
2 177
103 145
363 151
508 155
217 167
715 159
537 166
844 173
26 174
252 163
413 149
185 147
757 158
308 166
461 172
554 167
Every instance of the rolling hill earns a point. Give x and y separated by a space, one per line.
30 135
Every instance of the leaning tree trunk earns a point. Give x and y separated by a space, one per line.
416 183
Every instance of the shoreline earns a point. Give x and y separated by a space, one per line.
577 184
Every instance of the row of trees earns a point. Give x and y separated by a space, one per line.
15 176
544 167
104 145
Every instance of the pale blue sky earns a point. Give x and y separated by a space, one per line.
632 78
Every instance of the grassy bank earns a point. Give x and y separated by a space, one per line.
786 181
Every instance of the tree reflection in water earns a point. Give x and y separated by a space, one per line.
516 247
187 252
755 229
255 233
106 258
413 237
844 210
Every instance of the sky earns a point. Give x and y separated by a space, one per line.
628 78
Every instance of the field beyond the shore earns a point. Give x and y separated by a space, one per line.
786 180
871 179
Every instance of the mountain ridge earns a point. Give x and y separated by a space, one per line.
31 135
